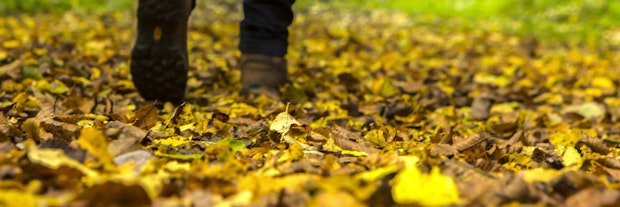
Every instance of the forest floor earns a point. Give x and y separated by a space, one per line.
384 109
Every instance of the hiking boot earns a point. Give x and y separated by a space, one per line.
263 74
159 57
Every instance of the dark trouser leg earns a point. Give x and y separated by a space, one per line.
264 30
264 42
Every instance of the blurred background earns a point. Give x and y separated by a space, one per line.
591 21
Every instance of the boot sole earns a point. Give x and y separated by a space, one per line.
159 57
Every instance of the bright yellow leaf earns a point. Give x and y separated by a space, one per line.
602 82
414 187
504 108
572 158
10 197
10 44
95 142
540 175
55 158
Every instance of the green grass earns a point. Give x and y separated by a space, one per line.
567 20
582 21
57 6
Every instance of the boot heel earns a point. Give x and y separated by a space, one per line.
159 57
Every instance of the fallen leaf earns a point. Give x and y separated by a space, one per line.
414 187
589 110
146 116
95 142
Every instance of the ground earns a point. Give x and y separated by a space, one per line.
385 109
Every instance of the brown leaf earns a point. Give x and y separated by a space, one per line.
610 162
443 150
572 182
596 144
516 189
504 129
146 116
342 138
71 151
81 105
410 86
13 70
128 137
176 114
615 173
60 129
481 108
469 142
594 197
516 137
139 158
113 194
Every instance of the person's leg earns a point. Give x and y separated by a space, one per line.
263 43
159 57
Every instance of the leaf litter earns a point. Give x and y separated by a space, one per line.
384 110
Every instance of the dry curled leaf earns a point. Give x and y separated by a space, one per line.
596 144
468 142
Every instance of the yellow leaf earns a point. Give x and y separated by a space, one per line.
20 98
282 123
55 158
602 82
374 175
413 187
572 158
95 142
3 54
518 161
594 92
564 143
187 127
590 110
239 109
295 151
10 44
353 153
524 83
177 156
388 89
221 150
446 87
376 137
17 198
549 98
57 87
504 108
174 141
40 51
540 175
